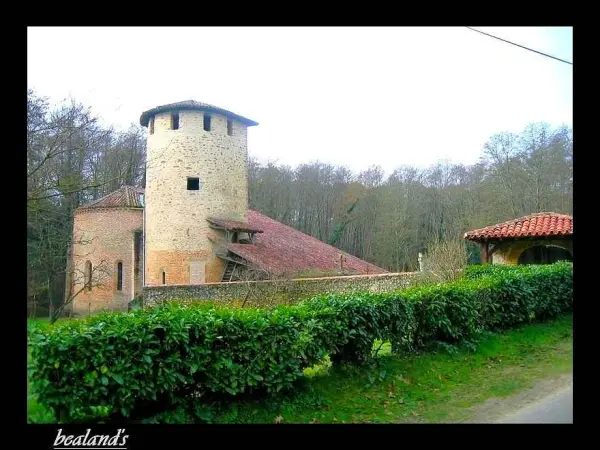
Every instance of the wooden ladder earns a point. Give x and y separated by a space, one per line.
228 273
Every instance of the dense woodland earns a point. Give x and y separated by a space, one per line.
73 159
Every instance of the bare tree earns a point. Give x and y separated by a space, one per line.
71 160
444 259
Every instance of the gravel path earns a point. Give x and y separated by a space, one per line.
549 401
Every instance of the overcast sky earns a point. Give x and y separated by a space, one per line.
350 96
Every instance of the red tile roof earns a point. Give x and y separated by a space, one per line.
545 224
283 249
125 197
233 225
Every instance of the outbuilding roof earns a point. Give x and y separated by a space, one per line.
124 197
544 224
193 105
283 249
233 225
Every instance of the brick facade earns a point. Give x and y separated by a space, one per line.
104 237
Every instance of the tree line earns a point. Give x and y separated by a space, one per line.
387 220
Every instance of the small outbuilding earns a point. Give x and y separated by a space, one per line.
542 238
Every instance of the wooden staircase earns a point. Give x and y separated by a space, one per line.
228 273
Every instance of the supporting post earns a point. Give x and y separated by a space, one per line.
485 259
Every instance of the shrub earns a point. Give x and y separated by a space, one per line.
444 260
479 270
113 366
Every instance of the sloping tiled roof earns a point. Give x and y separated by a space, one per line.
233 225
545 224
283 249
192 105
124 197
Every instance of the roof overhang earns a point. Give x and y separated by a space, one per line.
517 238
232 225
193 106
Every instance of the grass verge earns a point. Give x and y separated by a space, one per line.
435 387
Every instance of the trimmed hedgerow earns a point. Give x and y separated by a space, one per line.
114 366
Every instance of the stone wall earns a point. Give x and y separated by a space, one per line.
268 293
179 241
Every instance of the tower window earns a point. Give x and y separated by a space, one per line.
229 127
119 276
152 125
88 276
193 184
175 121
206 122
164 277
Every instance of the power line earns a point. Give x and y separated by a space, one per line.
522 46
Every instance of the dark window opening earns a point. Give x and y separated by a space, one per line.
193 184
119 276
164 277
152 125
88 276
206 122
175 121
544 255
229 127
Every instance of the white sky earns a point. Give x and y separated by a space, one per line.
344 95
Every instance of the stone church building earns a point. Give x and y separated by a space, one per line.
191 224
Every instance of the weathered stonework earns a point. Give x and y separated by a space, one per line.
268 293
178 238
508 252
104 237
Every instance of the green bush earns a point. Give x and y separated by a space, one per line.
479 270
117 366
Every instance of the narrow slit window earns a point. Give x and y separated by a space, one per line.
152 125
206 122
175 121
119 276
164 277
193 184
229 127
88 276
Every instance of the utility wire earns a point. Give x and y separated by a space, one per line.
526 48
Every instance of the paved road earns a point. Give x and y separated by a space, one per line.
556 408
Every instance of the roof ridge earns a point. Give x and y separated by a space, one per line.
93 202
126 190
546 223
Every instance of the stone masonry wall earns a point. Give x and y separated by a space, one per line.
104 237
177 233
268 293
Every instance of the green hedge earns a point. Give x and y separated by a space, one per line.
114 366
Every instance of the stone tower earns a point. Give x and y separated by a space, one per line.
196 169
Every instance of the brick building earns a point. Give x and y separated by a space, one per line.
191 223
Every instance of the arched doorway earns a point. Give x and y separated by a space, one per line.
544 254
